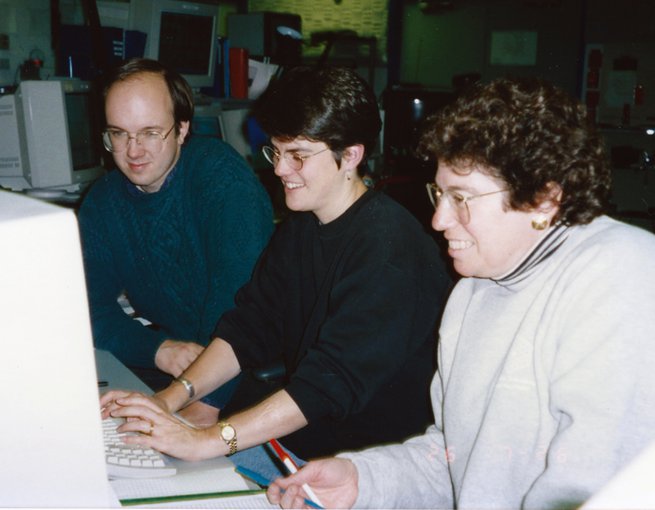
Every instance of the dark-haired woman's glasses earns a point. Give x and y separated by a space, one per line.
292 158
459 203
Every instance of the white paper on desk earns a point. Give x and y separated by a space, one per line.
236 502
199 479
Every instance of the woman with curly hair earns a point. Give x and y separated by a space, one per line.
546 350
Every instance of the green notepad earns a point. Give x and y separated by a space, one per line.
189 497
211 479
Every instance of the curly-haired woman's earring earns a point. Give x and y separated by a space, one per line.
540 223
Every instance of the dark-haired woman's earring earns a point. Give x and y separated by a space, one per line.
540 223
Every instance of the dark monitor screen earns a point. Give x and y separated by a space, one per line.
185 42
84 137
406 110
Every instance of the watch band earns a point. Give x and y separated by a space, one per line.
188 386
228 434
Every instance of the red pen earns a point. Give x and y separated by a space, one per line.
292 468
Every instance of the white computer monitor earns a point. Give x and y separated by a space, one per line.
181 35
50 433
50 136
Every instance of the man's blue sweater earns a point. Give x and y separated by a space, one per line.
179 255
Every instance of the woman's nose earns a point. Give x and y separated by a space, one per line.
444 216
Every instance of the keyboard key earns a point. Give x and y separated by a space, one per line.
131 461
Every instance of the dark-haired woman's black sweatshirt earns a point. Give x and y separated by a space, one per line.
352 308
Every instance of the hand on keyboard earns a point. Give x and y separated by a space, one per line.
131 461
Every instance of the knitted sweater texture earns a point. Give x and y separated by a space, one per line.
179 255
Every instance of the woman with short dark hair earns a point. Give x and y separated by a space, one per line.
348 293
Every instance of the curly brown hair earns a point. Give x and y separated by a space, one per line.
527 133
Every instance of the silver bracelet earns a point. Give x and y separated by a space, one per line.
188 386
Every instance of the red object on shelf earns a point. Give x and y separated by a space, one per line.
239 73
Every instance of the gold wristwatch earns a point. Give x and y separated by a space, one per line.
229 435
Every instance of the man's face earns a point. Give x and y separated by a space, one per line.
143 103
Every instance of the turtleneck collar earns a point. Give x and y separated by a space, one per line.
549 244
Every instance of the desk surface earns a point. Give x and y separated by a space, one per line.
117 375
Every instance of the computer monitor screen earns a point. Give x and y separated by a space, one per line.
193 56
181 35
51 136
405 112
82 129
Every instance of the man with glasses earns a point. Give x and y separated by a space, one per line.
348 291
176 229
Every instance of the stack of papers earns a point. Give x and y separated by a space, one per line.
208 484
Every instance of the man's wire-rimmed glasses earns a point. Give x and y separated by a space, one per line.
117 140
292 158
458 202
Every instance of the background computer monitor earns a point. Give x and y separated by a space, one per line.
50 136
181 35
406 110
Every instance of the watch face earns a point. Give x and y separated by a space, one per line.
227 432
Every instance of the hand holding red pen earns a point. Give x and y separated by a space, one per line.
292 468
335 480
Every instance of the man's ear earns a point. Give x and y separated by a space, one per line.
352 156
184 131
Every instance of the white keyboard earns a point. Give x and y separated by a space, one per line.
131 461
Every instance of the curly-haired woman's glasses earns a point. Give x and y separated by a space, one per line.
458 202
